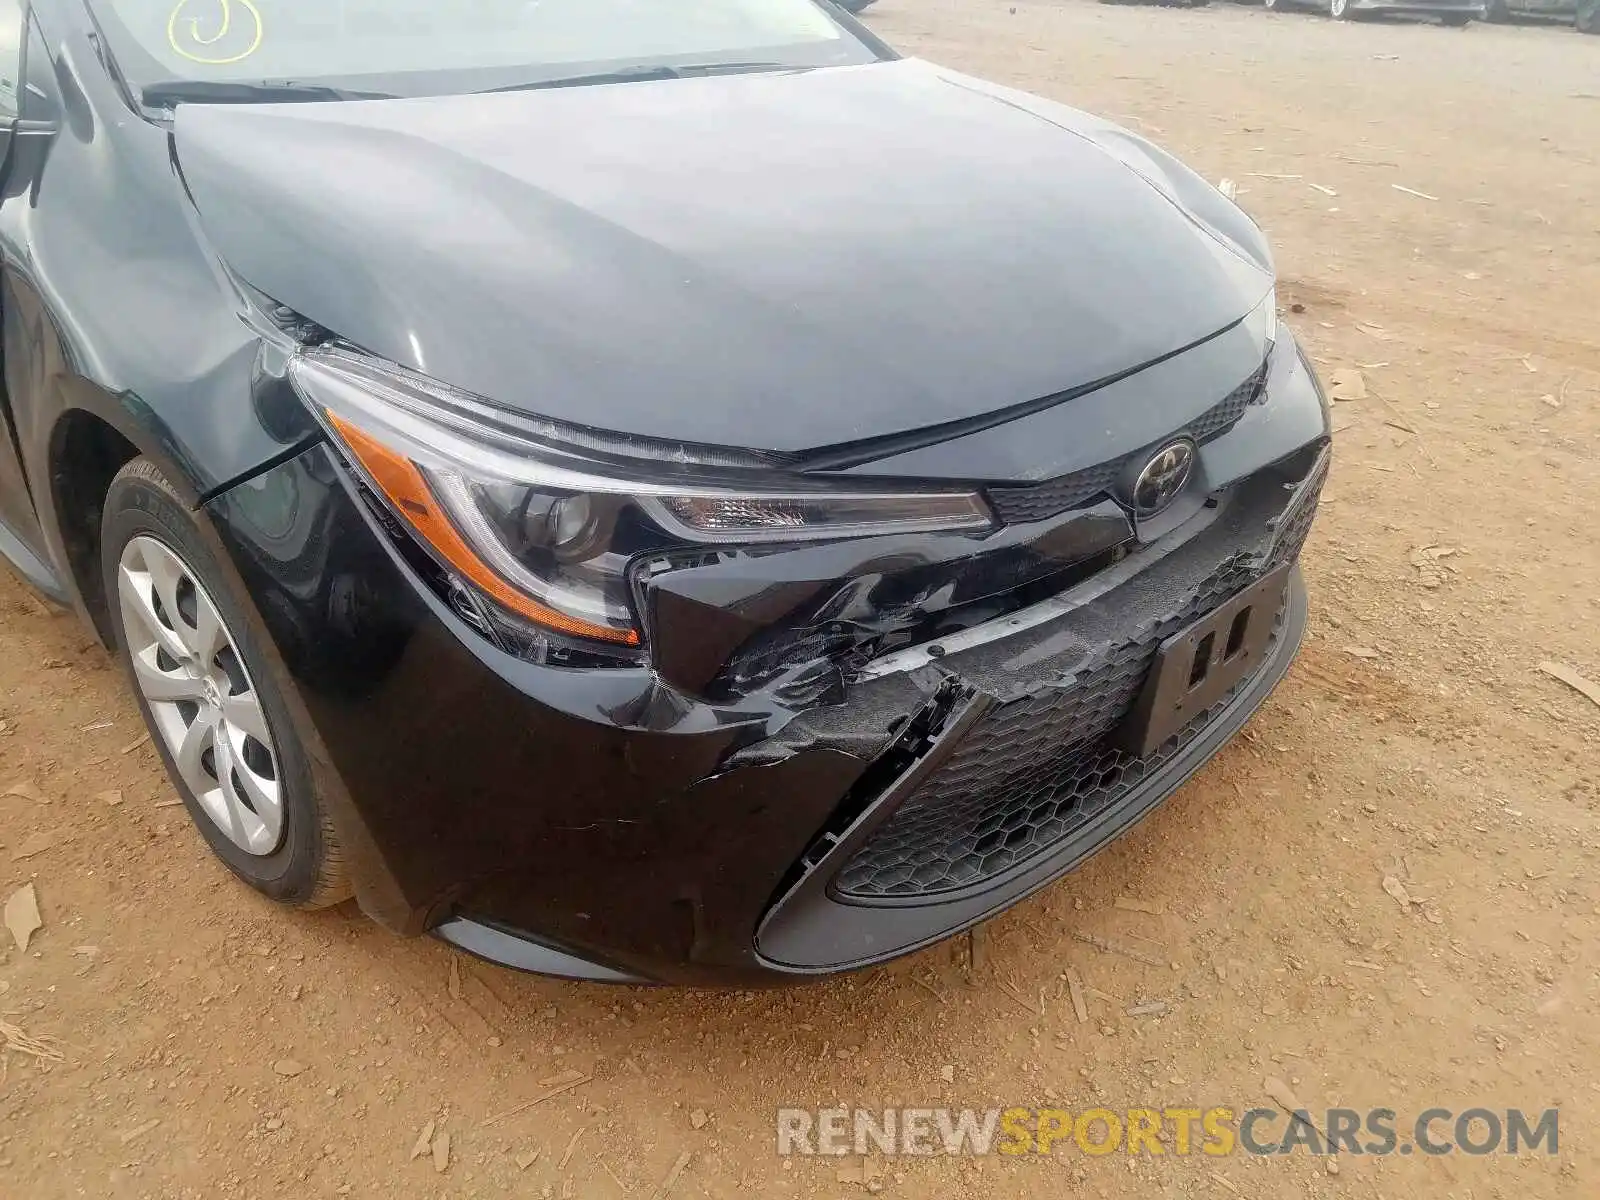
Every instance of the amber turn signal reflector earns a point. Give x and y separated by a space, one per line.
402 484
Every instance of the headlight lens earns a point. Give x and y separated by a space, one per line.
543 520
1263 319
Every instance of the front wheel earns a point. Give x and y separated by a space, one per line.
1340 10
214 710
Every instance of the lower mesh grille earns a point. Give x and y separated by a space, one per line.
1027 775
1032 772
926 861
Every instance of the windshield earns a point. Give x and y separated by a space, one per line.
420 47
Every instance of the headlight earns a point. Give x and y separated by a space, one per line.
543 520
1262 320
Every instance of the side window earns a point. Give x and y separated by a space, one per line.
10 59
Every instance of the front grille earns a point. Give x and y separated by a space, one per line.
1026 817
1018 505
1294 526
1033 771
1222 416
1027 775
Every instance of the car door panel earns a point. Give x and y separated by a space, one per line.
21 537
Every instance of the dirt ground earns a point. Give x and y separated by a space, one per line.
216 1047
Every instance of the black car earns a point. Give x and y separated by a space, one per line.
663 492
1501 12
1449 12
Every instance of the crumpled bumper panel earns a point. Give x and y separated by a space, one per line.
1033 771
1026 775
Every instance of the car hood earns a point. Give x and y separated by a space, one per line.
775 261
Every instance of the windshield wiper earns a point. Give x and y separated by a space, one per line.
645 73
208 91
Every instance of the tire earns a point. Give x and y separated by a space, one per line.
1339 10
1273 5
266 822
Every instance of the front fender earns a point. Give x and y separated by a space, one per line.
116 309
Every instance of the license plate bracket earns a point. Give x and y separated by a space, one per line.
1197 666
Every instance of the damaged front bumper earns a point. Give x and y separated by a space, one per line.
1017 771
837 755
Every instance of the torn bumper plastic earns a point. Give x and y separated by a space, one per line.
1025 767
819 926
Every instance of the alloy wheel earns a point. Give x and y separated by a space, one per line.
202 702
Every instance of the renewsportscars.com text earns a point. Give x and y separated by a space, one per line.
1214 1131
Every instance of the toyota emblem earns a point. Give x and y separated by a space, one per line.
1162 478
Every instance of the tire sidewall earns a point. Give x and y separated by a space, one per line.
141 503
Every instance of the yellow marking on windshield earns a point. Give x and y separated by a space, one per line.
224 17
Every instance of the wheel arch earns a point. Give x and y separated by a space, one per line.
85 454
